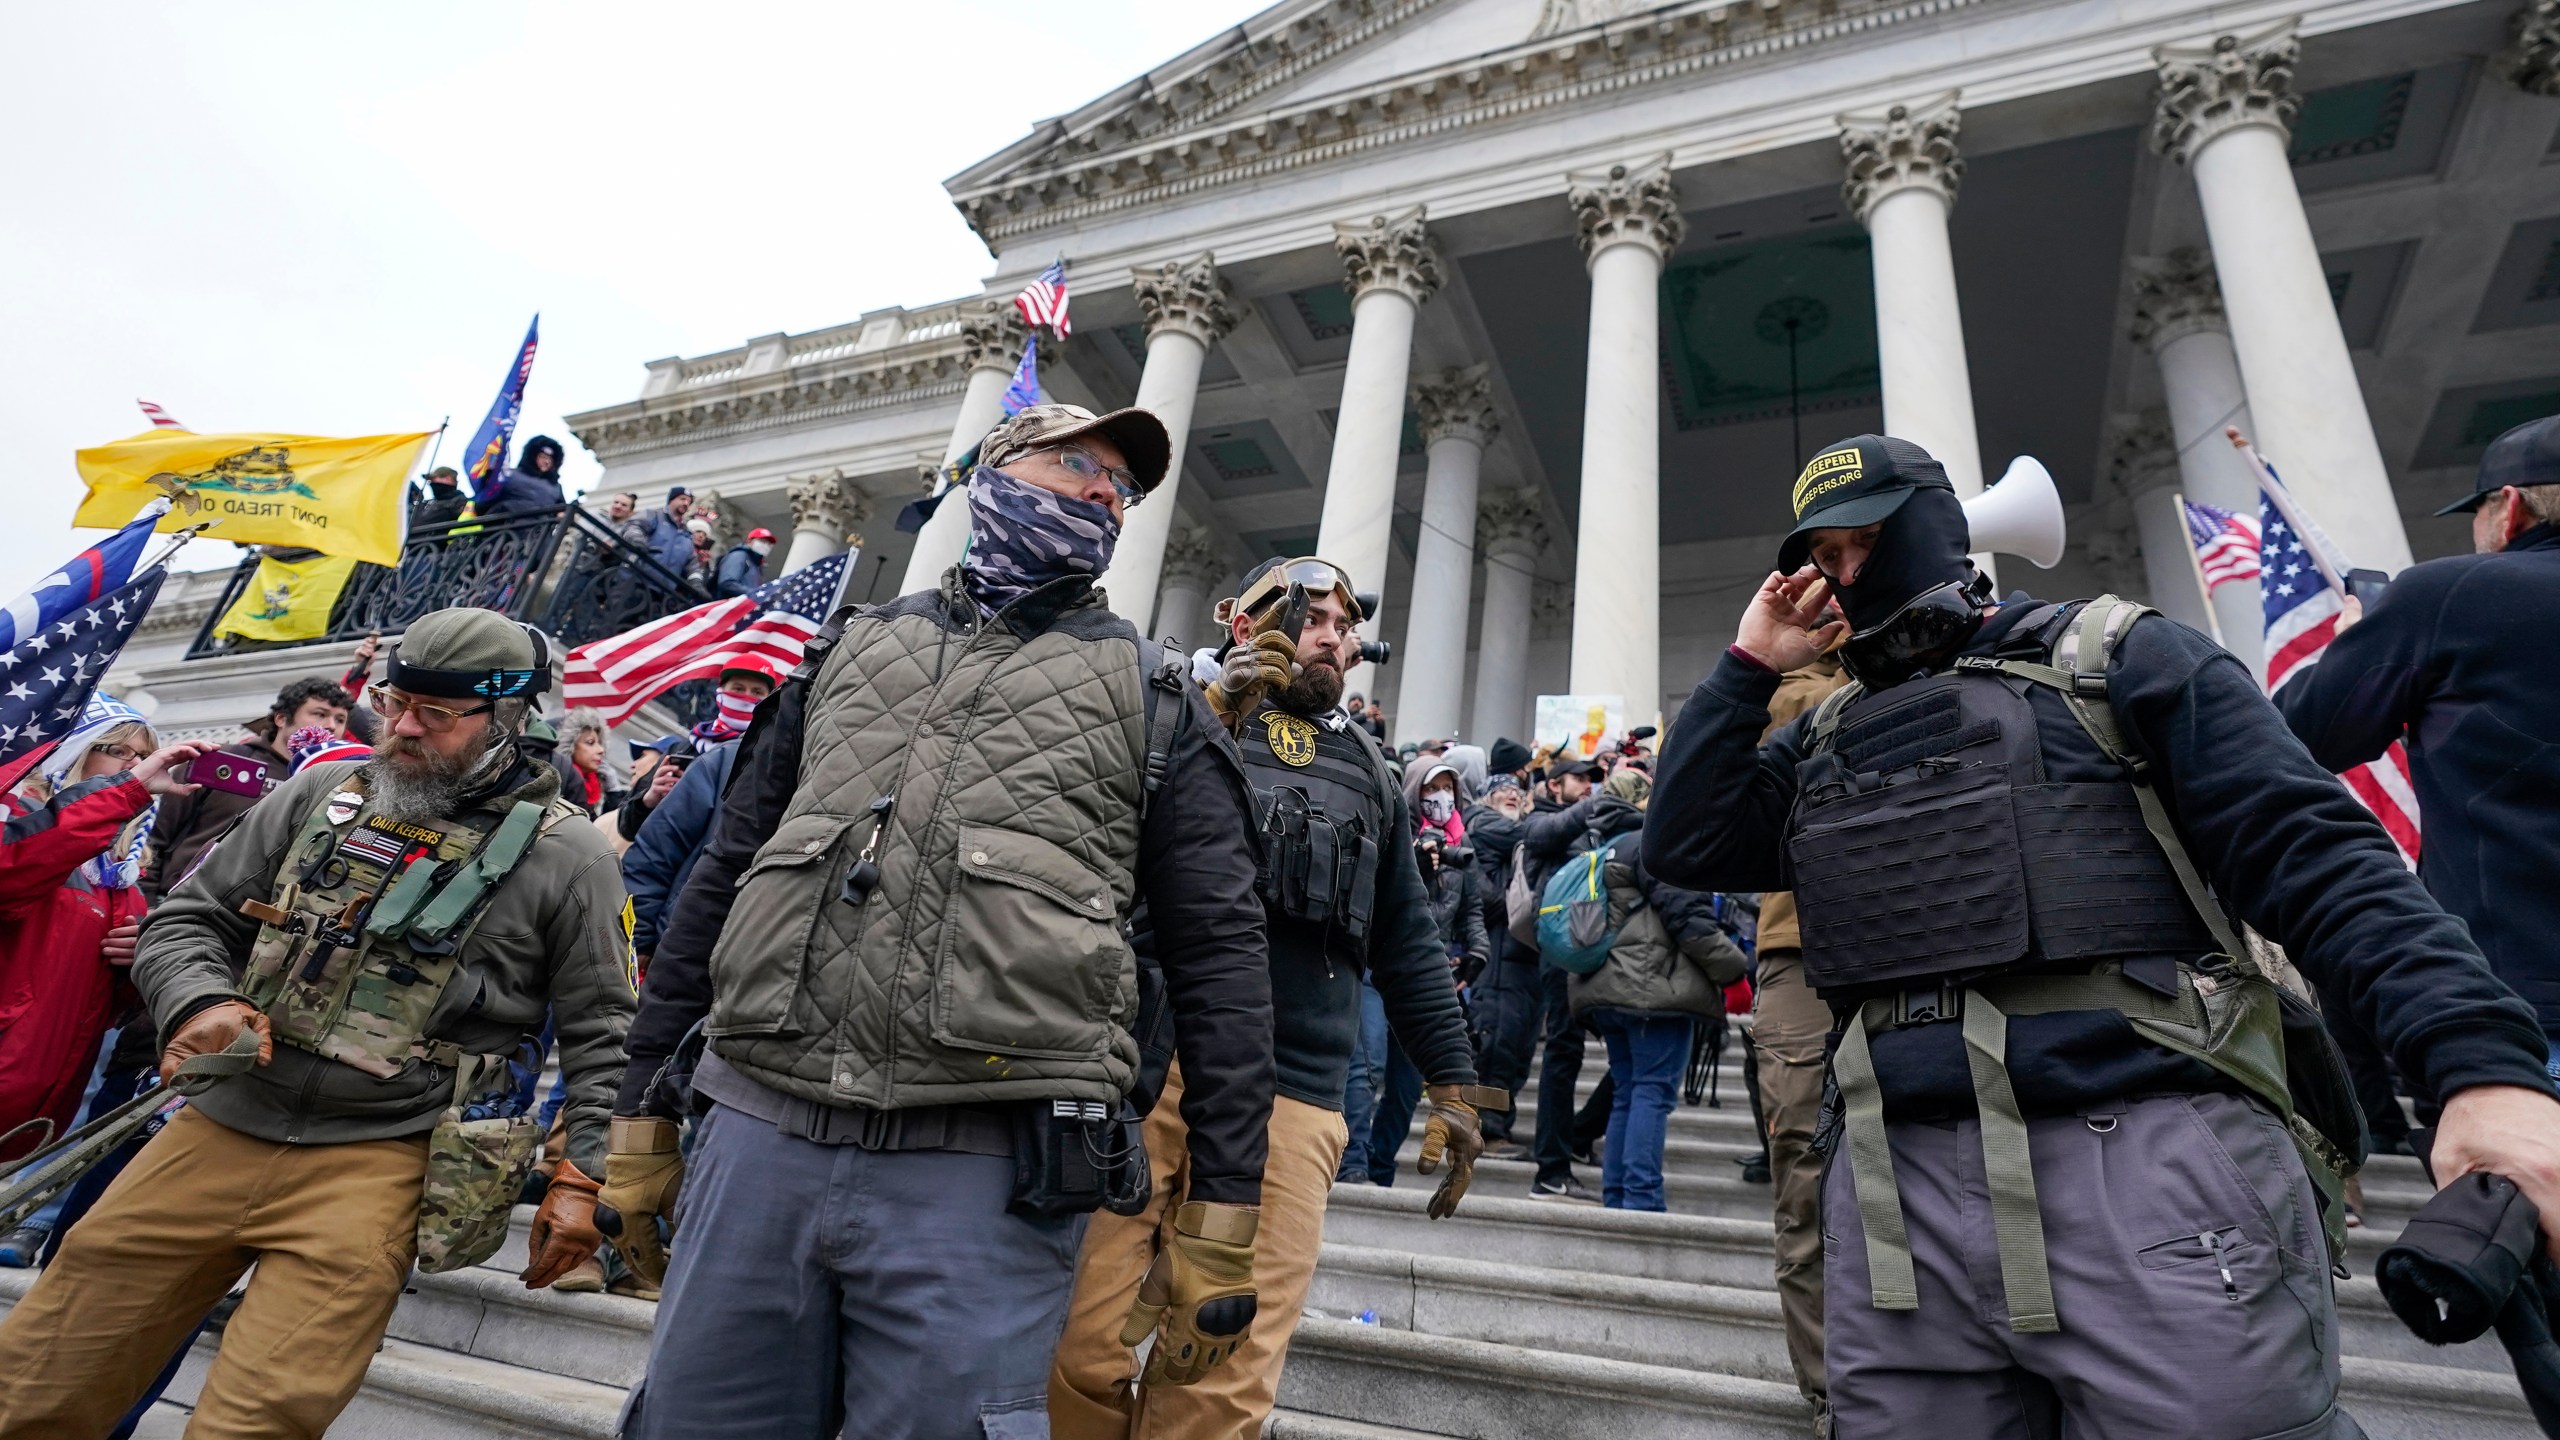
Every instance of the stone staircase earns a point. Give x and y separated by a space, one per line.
1513 1318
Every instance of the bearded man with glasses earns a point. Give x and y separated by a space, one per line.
369 956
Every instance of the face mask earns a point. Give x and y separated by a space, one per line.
1438 808
762 548
736 710
1915 602
1022 537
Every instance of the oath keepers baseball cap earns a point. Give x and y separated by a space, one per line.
1859 481
2527 455
1138 433
467 653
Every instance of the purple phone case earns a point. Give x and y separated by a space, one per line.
222 770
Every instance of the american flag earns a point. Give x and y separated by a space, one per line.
1024 392
2226 544
47 677
2298 573
1044 300
773 622
160 419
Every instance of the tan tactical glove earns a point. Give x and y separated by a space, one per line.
211 1030
1201 1288
1248 670
564 1228
1451 1133
642 1170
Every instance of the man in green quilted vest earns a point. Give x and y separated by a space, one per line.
375 947
904 946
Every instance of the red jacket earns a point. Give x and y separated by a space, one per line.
58 995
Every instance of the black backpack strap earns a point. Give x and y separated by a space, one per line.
1168 675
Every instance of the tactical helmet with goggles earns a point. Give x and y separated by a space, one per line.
1272 579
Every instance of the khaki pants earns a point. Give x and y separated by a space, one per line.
331 1228
1093 1391
1789 1030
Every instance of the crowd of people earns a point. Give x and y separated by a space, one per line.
964 1033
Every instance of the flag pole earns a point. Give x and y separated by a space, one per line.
2195 567
2314 539
177 541
438 448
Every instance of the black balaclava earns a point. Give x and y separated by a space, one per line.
1922 546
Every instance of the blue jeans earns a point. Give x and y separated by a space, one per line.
1360 1091
1398 1097
1648 1050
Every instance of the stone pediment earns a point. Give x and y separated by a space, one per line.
1309 80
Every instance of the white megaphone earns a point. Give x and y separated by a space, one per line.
2022 515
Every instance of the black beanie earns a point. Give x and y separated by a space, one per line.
1507 757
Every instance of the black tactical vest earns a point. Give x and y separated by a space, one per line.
1320 797
1928 844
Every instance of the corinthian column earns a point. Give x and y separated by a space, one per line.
2225 112
2531 59
1903 174
1456 411
1628 219
2177 316
1192 569
824 509
1186 308
2144 470
1511 528
1391 269
992 336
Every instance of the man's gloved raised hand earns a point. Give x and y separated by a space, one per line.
1452 1133
1248 670
1201 1289
564 1234
642 1170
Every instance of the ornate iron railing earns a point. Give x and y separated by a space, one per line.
561 569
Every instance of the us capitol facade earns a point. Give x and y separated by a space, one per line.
1534 307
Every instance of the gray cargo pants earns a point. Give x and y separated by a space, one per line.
818 1290
2166 1334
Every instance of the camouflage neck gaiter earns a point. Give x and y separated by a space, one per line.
1021 537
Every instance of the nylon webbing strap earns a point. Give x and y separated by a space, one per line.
1889 1274
1826 716
495 861
58 1167
2007 1173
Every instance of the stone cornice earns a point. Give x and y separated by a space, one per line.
1626 205
1187 297
1673 44
2174 296
2531 59
1456 404
1388 252
1907 147
2233 81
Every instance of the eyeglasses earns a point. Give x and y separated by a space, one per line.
118 752
1084 467
390 704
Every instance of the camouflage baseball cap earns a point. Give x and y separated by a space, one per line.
1138 433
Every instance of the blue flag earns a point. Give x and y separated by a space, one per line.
1024 392
487 454
48 675
86 576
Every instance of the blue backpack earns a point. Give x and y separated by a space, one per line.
1574 933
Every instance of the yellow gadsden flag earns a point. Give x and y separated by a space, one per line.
288 599
340 497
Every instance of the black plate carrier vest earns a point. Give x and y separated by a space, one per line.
1319 796
1929 846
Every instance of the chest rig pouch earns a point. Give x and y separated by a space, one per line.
354 953
1941 877
1318 798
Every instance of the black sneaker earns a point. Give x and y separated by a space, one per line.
1755 1169
1568 1189
1506 1150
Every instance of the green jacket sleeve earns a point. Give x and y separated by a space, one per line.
194 944
593 992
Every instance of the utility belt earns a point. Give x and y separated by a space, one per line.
1314 868
2223 1012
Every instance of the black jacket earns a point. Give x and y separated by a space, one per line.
1195 869
2458 655
2290 850
441 505
1493 835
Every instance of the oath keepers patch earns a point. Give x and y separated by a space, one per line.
406 831
1291 737
1819 476
374 846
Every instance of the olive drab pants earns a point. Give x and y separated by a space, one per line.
1790 1026
332 1229
1093 1394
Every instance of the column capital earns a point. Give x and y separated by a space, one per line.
1905 147
2232 81
1389 252
1185 296
1192 560
2531 59
2174 296
992 335
1627 205
1456 402
2142 453
827 502
1511 523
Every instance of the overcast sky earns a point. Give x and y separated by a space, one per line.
336 219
